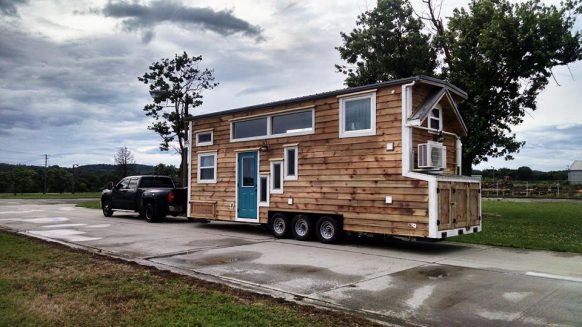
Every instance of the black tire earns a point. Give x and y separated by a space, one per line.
279 225
106 208
301 227
151 215
141 213
328 230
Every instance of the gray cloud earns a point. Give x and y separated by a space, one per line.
9 7
140 17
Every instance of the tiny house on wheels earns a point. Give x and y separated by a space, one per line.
383 158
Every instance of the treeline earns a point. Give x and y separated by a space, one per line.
523 173
89 178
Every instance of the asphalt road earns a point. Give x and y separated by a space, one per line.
441 284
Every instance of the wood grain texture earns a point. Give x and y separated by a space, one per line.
346 176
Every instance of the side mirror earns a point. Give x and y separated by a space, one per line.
110 186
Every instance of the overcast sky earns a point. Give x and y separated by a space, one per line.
69 88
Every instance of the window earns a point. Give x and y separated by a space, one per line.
248 172
132 183
358 116
291 163
249 128
123 184
295 122
207 167
435 120
156 182
264 191
204 138
276 125
277 177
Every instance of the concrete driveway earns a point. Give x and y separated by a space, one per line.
441 284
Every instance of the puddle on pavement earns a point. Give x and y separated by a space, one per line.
213 260
225 242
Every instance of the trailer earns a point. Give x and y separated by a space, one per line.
383 159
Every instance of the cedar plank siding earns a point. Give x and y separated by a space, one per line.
347 176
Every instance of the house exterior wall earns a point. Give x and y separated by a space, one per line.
346 176
575 177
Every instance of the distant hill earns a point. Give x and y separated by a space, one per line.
89 169
108 169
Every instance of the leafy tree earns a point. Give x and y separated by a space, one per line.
524 173
58 179
387 43
124 161
22 179
176 86
166 170
501 53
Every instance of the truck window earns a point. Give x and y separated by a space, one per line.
123 184
133 183
156 182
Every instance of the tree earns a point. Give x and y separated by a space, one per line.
502 54
58 179
387 43
124 161
524 173
166 170
176 86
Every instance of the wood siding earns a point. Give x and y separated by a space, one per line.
346 176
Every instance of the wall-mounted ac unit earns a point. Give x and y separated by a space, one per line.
432 155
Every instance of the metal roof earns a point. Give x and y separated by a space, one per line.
576 165
418 78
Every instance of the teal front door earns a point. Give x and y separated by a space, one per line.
247 185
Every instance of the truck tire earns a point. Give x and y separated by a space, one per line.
327 230
301 227
106 208
151 215
279 225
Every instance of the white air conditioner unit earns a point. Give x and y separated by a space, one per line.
432 155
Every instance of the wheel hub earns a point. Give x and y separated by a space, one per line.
301 227
326 230
279 225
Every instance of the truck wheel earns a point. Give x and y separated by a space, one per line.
141 213
106 207
279 225
301 227
327 230
151 215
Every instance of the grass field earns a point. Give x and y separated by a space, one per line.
50 195
93 204
555 226
45 284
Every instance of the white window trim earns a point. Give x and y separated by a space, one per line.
269 127
211 142
264 203
273 190
364 132
440 119
286 159
207 181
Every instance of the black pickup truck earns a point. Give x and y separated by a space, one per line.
153 197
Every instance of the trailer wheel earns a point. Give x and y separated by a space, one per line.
106 207
279 225
301 227
151 215
327 230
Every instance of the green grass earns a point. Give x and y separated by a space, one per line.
50 195
555 226
94 204
44 284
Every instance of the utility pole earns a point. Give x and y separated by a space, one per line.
73 179
45 172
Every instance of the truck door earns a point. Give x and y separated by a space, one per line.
129 197
117 194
